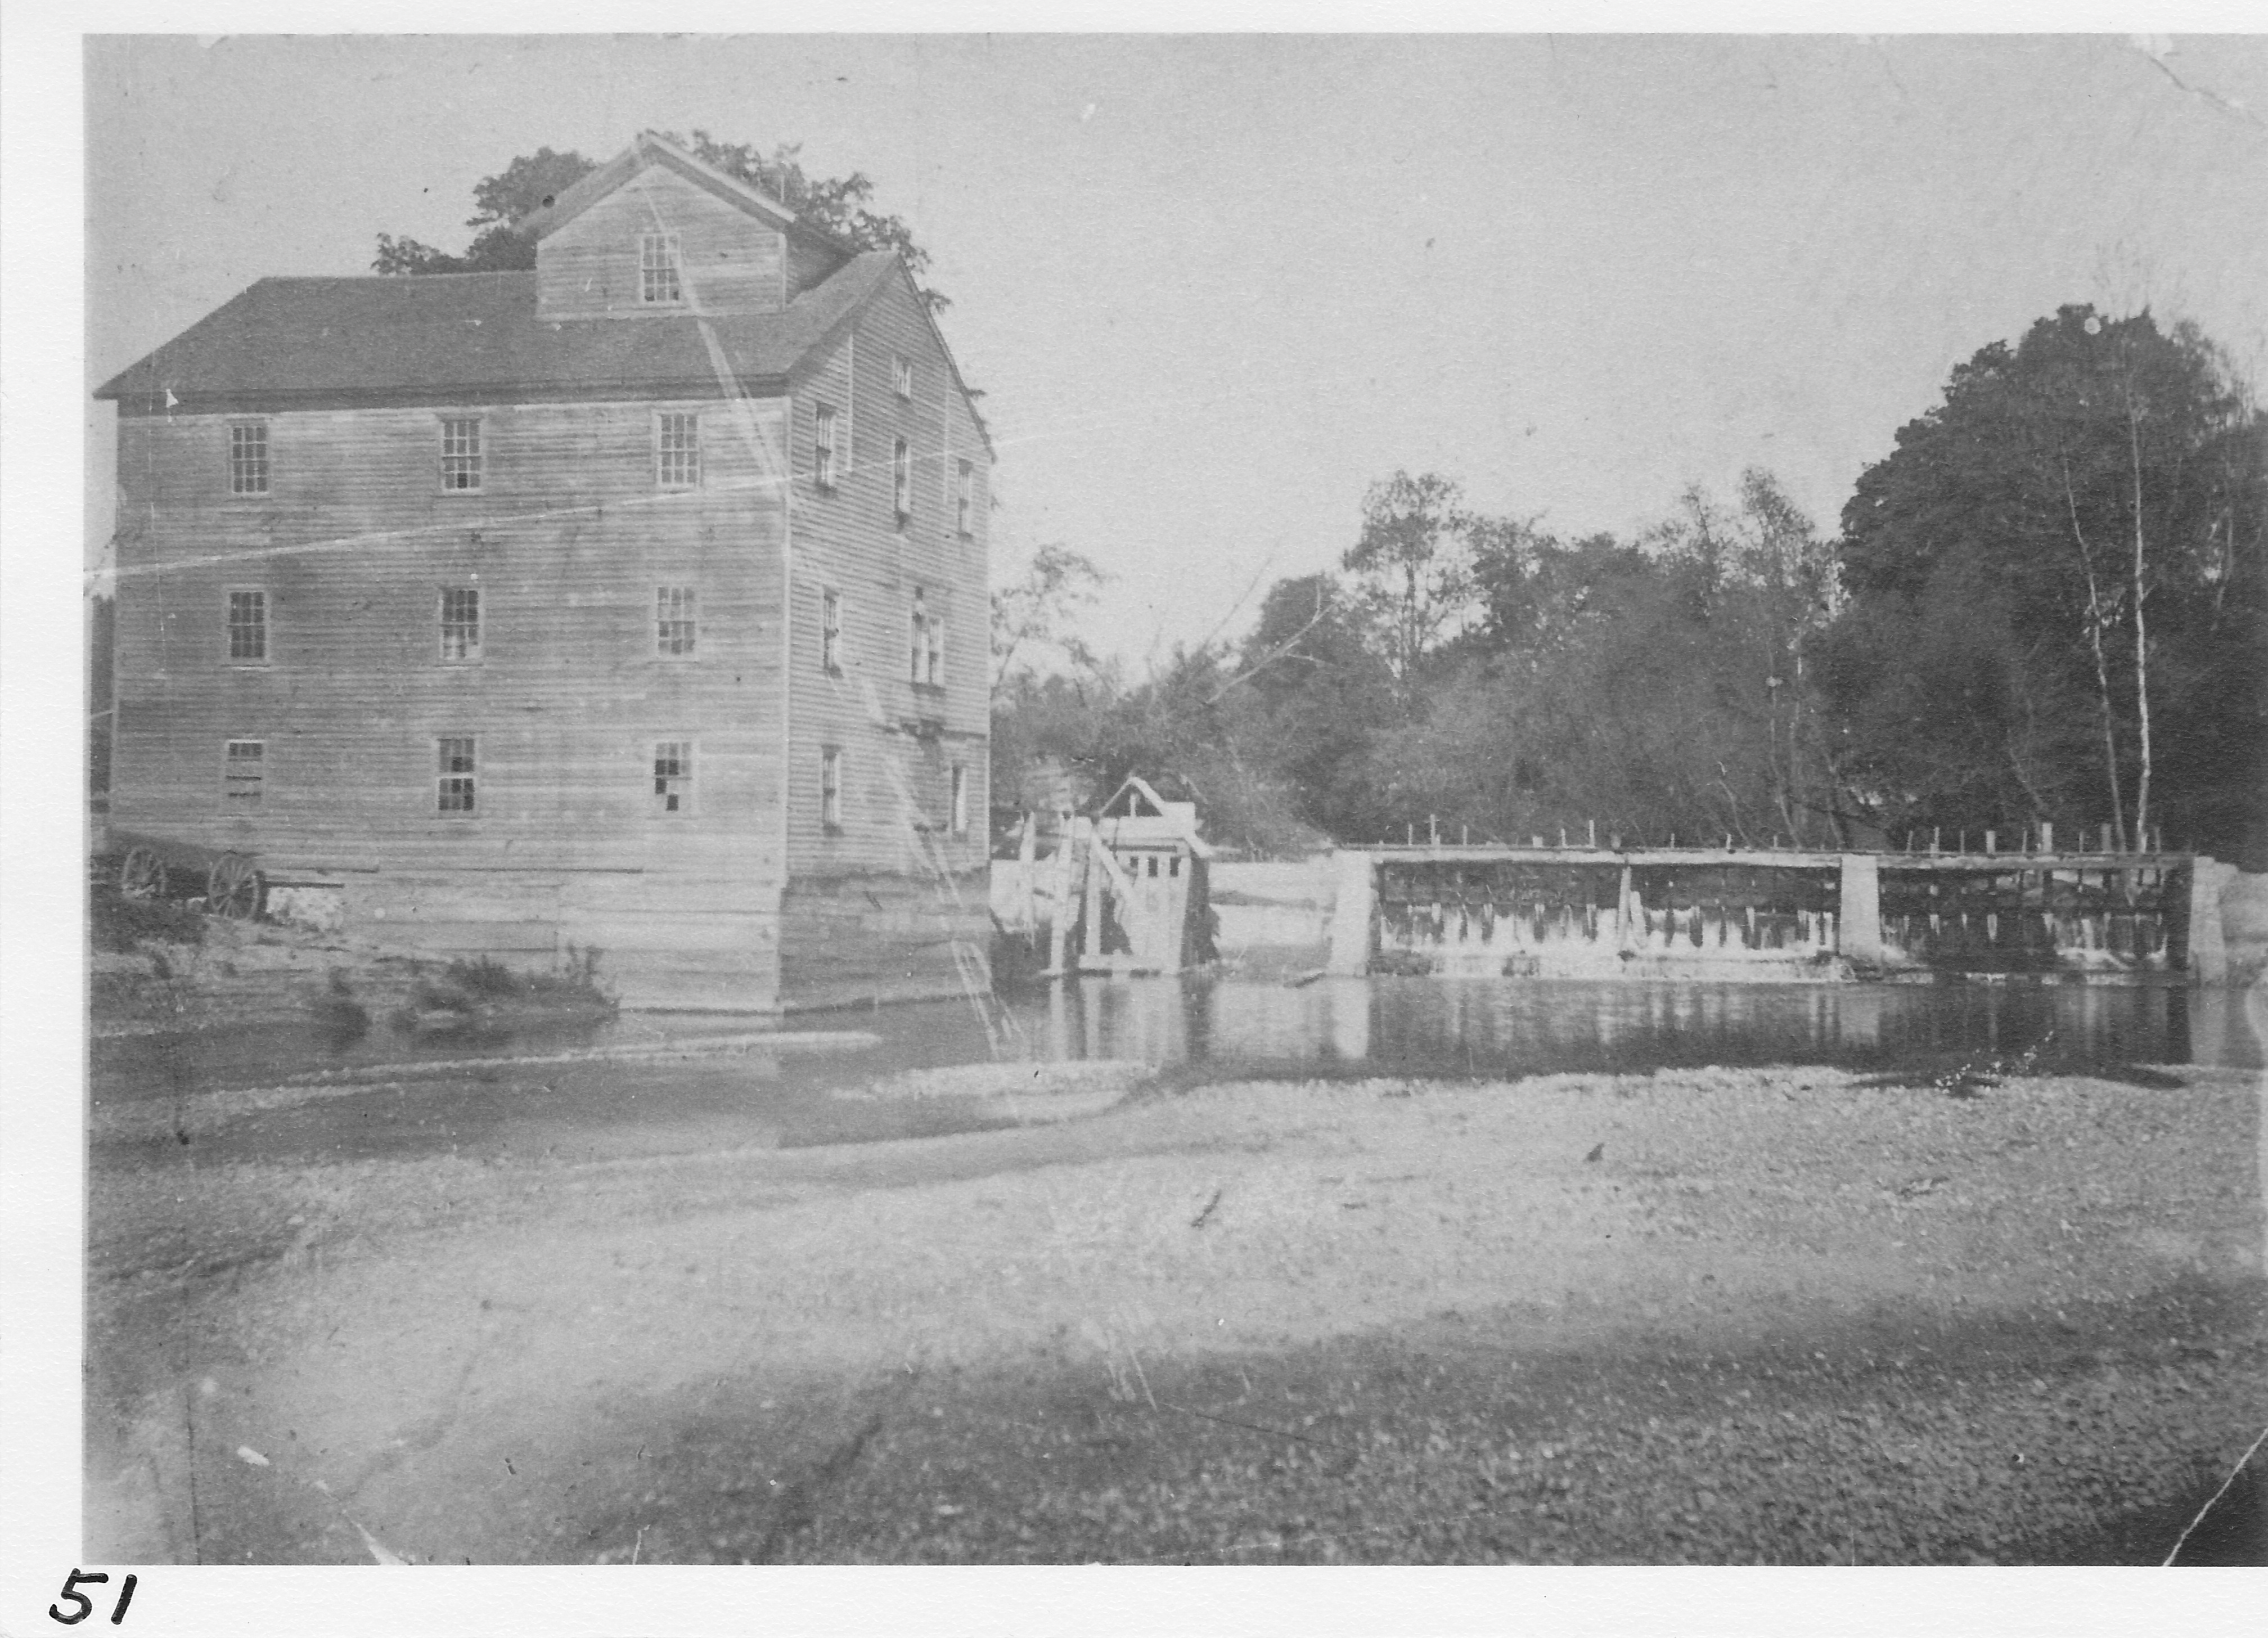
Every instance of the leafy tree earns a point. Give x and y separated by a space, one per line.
1309 695
2104 477
500 202
1412 566
837 205
1034 613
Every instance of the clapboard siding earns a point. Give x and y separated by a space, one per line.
809 262
353 550
732 263
567 540
897 785
849 941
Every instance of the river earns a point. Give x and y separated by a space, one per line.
536 1092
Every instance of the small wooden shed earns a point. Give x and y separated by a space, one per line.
1129 892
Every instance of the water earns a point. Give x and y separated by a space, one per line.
785 1095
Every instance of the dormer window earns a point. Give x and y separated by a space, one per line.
658 263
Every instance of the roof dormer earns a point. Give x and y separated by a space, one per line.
656 232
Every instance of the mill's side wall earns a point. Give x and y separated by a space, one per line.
882 891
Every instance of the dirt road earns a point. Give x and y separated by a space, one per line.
1707 1316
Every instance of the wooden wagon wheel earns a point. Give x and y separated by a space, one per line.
143 873
233 888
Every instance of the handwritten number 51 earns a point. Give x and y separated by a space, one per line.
70 1593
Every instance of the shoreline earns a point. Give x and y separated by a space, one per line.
870 1323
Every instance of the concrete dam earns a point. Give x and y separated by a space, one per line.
1766 914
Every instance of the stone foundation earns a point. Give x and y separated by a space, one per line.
665 943
865 940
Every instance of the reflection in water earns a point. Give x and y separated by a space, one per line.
1485 1027
1412 1026
600 1109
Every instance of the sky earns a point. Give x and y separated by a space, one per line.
1213 287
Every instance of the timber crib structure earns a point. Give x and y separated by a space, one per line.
1766 913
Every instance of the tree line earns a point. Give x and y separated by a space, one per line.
2047 605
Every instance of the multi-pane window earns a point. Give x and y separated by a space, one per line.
658 281
672 775
461 454
822 449
964 494
831 632
958 809
242 767
901 375
456 759
678 450
901 479
926 660
460 622
830 788
675 620
248 627
247 458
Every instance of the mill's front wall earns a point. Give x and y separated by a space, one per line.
571 544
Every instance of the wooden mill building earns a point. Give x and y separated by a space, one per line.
635 603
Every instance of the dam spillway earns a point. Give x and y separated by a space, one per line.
1762 913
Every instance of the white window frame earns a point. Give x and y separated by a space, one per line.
250 470
661 270
830 788
964 498
450 781
830 631
466 644
933 671
917 648
465 459
901 375
957 800
263 625
901 481
676 788
676 606
826 463
680 423
232 783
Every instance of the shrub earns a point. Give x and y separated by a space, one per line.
120 926
338 1014
467 986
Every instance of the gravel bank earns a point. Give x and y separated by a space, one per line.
1710 1316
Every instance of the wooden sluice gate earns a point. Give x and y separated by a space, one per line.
1124 892
2021 913
1756 913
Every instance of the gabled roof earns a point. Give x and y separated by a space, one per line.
1145 816
434 337
649 149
